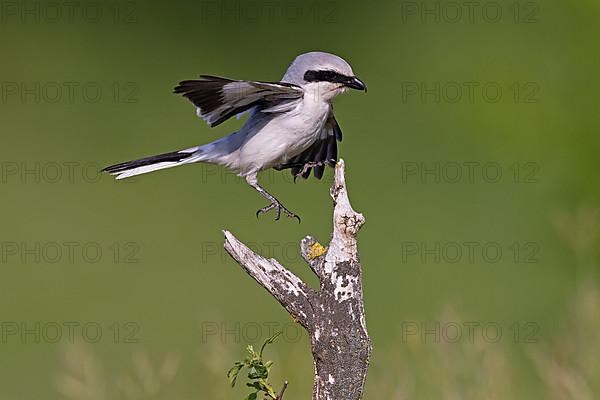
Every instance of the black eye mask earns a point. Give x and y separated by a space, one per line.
326 76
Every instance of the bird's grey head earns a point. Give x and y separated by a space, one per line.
332 74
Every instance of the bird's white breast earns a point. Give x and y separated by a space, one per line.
284 135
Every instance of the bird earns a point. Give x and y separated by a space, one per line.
290 124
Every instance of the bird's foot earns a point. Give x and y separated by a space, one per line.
307 166
279 207
312 164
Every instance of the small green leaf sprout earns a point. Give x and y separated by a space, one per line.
258 372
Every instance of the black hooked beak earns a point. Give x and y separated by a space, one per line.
355 83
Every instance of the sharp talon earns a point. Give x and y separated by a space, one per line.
264 210
279 208
290 214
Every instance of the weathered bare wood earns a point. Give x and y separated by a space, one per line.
334 316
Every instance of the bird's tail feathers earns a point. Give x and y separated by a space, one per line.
155 163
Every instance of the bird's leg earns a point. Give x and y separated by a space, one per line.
275 204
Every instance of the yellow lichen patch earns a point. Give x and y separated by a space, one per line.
316 250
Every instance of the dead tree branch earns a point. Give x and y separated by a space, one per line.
334 315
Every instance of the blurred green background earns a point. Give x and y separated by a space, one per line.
148 252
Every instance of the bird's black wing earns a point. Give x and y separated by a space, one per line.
321 153
218 99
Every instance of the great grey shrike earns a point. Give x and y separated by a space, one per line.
290 124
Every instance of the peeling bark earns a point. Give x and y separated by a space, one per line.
334 316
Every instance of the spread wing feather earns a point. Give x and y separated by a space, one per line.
218 99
